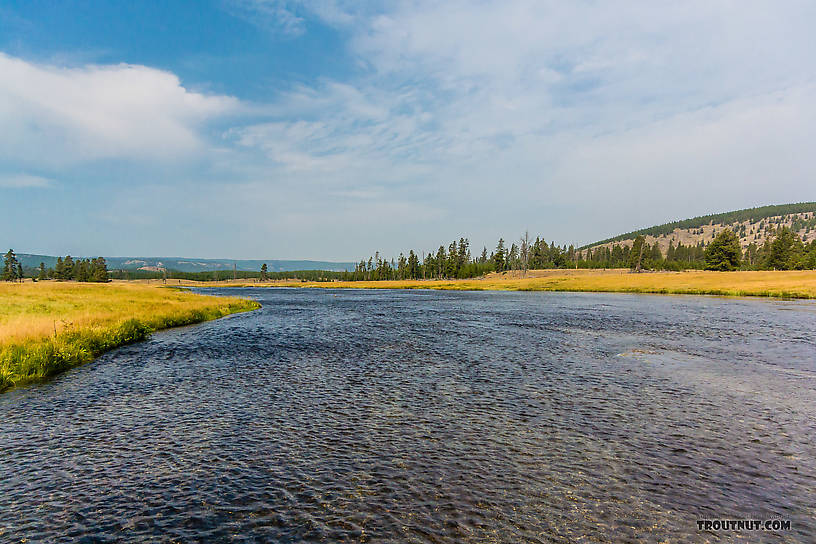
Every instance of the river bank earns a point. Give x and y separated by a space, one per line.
49 327
779 284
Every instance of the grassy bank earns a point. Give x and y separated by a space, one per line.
48 327
783 284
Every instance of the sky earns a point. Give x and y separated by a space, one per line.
333 129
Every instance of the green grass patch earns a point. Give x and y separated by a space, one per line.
37 360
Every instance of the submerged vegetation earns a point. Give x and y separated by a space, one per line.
49 327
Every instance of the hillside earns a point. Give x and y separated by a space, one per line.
30 261
752 225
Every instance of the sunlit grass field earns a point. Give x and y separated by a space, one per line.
48 327
784 284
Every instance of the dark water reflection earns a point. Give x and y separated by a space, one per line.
427 417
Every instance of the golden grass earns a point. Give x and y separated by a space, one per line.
46 327
783 284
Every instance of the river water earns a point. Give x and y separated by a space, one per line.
427 416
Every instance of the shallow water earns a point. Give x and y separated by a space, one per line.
427 416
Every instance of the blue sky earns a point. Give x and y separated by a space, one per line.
330 130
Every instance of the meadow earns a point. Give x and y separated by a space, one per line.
49 327
782 284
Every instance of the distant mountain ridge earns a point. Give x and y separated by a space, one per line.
752 225
194 265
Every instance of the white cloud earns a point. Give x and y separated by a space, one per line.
574 119
56 116
278 16
23 181
505 108
288 18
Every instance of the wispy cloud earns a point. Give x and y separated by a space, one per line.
525 101
23 181
460 117
278 16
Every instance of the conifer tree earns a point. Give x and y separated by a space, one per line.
655 255
10 266
784 251
68 264
99 270
724 253
636 254
413 265
452 264
498 256
59 270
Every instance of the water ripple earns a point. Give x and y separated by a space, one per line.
427 417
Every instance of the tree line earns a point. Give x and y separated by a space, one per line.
457 262
750 214
67 269
784 250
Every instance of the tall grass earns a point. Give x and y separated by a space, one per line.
783 284
47 328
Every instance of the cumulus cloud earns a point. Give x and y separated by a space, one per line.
577 120
54 115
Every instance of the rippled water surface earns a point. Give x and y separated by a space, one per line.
423 416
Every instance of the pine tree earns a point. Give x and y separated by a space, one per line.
43 275
637 255
784 252
440 262
724 253
413 265
81 270
402 267
99 270
498 256
59 270
655 256
10 266
464 253
68 271
452 265
264 272
513 257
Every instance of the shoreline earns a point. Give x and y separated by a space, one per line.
787 284
38 357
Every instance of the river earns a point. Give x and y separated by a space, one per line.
428 416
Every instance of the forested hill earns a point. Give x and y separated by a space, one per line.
30 261
752 225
